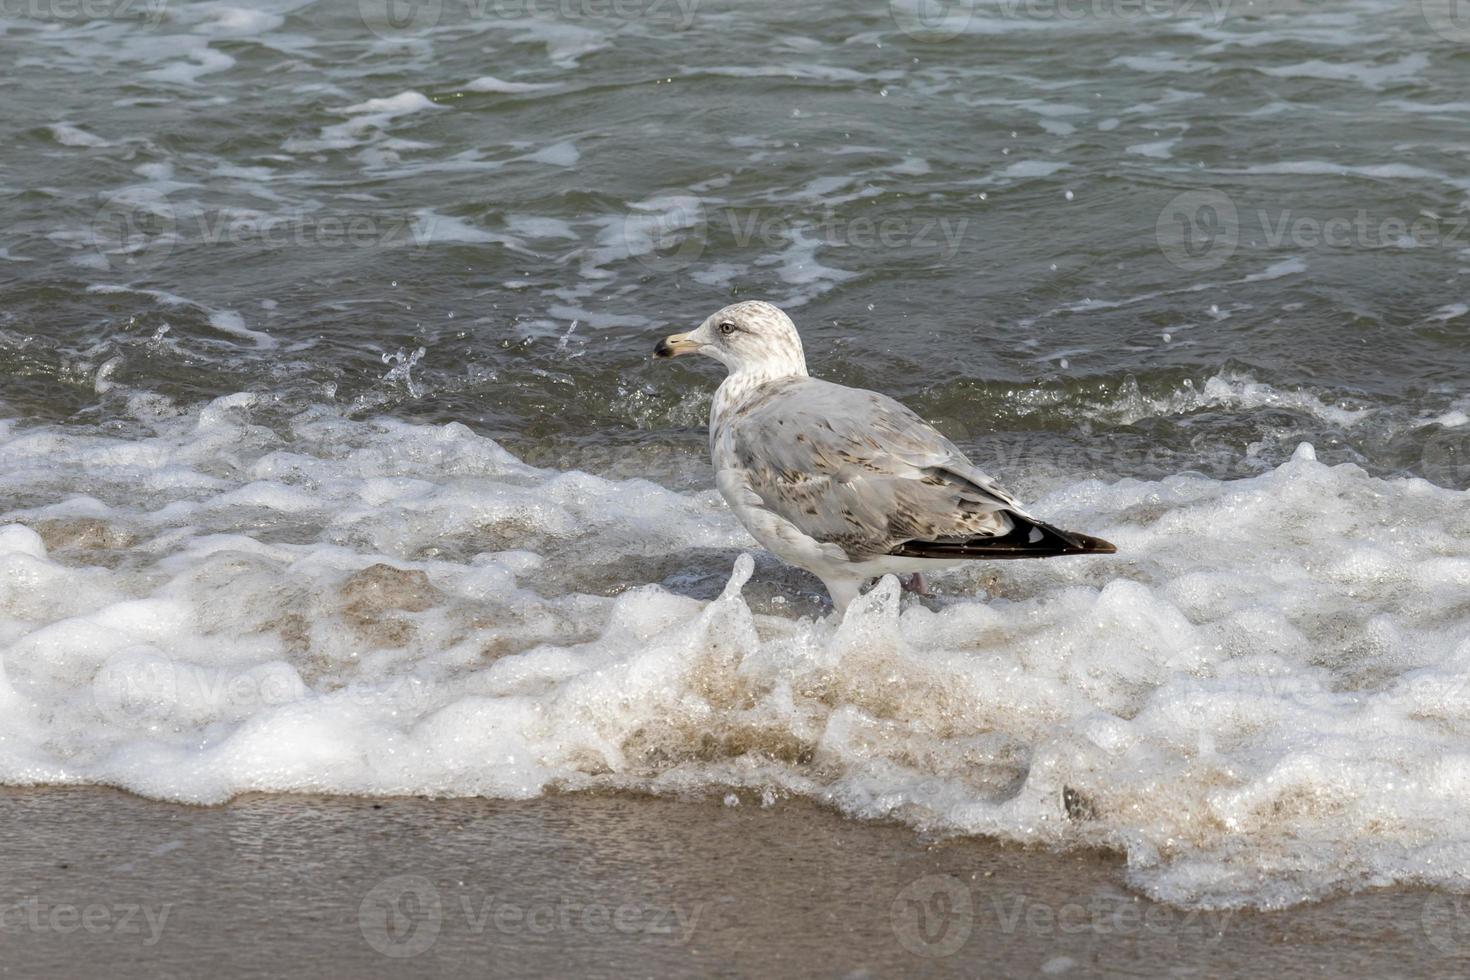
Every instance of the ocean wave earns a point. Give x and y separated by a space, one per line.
1264 698
1228 389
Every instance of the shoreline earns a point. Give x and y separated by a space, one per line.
610 885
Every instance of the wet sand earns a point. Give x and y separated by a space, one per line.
95 881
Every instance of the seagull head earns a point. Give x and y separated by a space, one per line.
751 337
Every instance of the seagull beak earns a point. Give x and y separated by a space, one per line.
676 344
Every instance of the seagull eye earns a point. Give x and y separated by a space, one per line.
727 328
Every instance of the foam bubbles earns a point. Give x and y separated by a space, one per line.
489 83
68 135
17 539
1261 699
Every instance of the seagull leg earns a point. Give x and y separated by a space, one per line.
915 583
842 591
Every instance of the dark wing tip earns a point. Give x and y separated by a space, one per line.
1028 539
1094 546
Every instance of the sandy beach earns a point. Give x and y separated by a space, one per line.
97 881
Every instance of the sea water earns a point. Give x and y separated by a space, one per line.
333 460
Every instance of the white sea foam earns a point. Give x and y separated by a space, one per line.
202 60
825 73
1427 108
68 135
231 322
1276 270
563 154
1158 150
226 321
1408 67
431 227
540 226
1026 170
1224 390
238 22
1263 698
912 166
1381 171
489 83
1162 63
565 43
368 121
393 106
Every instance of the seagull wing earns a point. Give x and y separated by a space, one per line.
857 469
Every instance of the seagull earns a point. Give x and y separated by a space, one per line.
844 482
